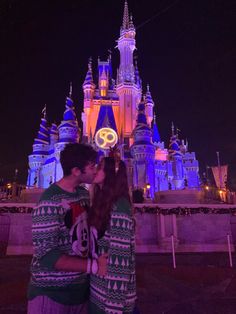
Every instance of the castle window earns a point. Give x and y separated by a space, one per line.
103 83
103 92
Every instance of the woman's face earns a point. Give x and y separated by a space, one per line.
100 175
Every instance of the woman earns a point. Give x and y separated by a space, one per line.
112 232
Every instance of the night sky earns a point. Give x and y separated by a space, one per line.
186 52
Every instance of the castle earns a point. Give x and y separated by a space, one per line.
116 112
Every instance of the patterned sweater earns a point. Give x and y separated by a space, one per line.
59 226
116 293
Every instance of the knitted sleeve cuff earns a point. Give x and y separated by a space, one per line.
49 260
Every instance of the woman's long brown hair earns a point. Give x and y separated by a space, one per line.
115 186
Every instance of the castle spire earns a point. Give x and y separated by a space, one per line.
70 92
69 113
172 129
155 134
68 129
131 24
43 133
44 111
149 106
149 99
89 75
125 24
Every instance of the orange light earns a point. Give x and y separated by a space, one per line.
103 83
103 92
148 186
207 187
9 186
220 191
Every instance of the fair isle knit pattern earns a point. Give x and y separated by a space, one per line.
52 238
116 293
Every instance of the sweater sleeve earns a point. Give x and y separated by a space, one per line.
119 259
45 234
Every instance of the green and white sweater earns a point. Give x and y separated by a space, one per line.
59 226
116 292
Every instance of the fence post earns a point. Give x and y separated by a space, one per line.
173 251
229 249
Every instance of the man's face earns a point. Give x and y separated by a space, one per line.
88 175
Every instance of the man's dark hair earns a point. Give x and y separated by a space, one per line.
77 155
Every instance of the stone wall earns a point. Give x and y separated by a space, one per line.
191 233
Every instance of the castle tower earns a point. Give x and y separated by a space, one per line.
39 154
88 88
176 157
128 84
68 129
68 132
143 152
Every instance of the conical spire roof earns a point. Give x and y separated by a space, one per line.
43 133
125 24
69 113
89 76
149 99
156 135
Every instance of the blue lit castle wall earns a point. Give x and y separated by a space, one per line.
143 152
44 162
114 115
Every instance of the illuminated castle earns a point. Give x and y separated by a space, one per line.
117 112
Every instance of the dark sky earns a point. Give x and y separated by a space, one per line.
186 52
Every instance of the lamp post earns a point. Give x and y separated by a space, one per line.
219 168
148 186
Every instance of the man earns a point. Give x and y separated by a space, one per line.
60 265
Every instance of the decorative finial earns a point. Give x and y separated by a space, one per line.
109 54
70 93
44 111
90 63
154 118
173 128
177 131
131 24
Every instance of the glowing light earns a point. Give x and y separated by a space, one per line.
207 187
106 138
221 192
9 186
148 186
103 83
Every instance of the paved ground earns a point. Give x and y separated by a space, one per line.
200 284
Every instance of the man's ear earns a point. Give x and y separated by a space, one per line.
75 172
